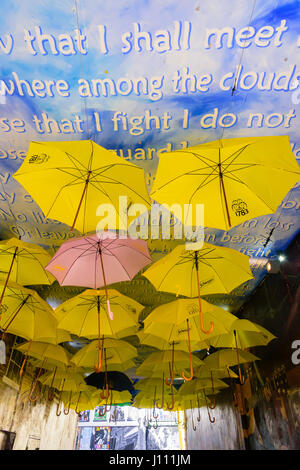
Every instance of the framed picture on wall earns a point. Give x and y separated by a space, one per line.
101 438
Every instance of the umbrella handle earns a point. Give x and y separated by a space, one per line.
51 392
207 332
163 394
171 368
98 367
25 359
171 407
30 397
58 413
81 199
212 404
241 376
104 412
78 412
187 379
105 393
67 411
154 403
155 426
212 420
110 313
193 424
198 403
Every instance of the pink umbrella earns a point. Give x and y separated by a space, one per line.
99 260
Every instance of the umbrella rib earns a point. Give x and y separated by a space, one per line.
73 262
119 263
259 197
58 194
125 185
71 157
238 152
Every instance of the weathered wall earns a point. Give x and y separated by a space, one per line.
35 424
226 433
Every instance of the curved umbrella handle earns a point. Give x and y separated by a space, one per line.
212 420
187 379
104 412
154 404
171 407
155 426
241 376
193 424
98 366
105 394
58 413
198 403
67 410
171 368
34 384
25 359
207 332
212 403
162 394
76 411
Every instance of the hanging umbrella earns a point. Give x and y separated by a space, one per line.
87 315
99 260
69 180
212 269
23 263
197 385
182 317
80 401
113 380
24 313
48 353
169 362
163 343
118 354
227 358
247 335
243 334
204 372
236 179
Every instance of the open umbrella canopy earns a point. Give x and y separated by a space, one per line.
220 270
24 263
116 381
80 401
228 357
182 344
243 334
69 180
24 313
196 385
65 381
116 398
118 352
98 260
236 179
159 363
48 353
79 315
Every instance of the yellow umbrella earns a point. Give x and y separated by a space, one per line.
118 354
236 179
243 334
87 315
211 269
23 263
53 354
181 317
168 362
227 358
80 401
162 343
69 180
24 313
